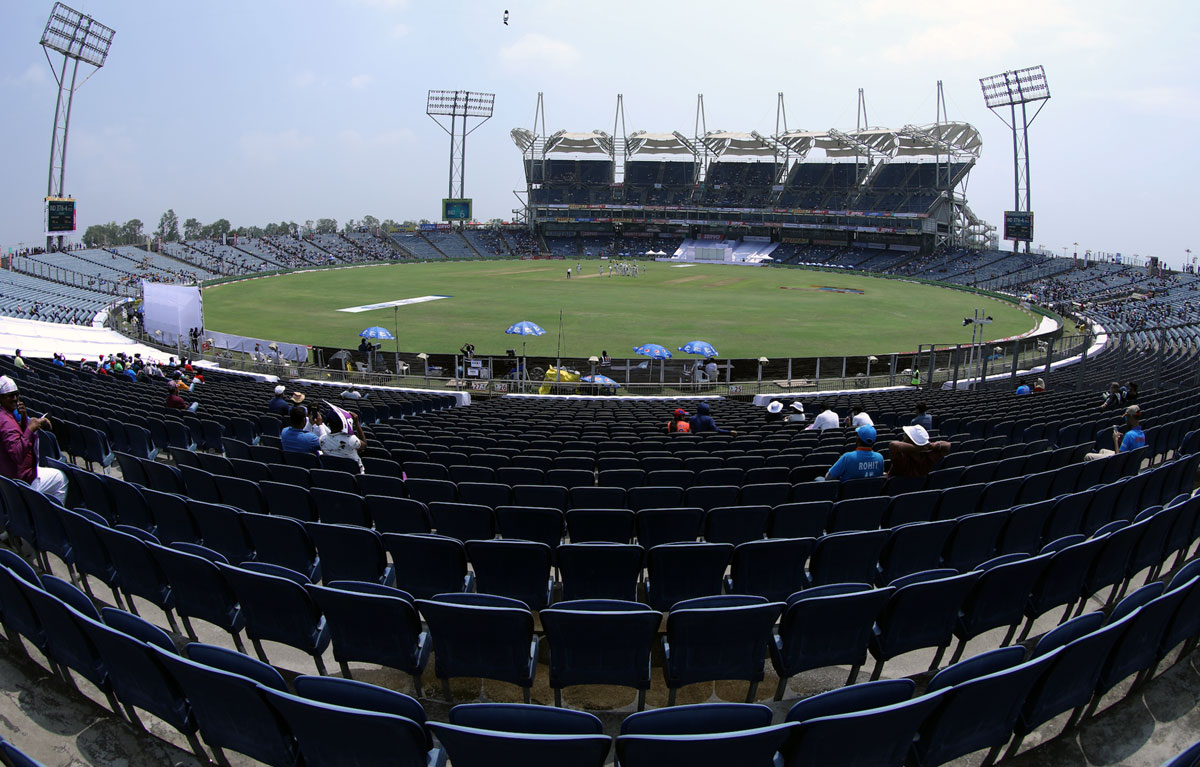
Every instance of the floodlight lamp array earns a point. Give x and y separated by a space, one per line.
460 103
77 36
1017 87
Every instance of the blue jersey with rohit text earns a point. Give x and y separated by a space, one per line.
857 464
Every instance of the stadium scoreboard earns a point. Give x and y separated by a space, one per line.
60 214
1018 225
456 209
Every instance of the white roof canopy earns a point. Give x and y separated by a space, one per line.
565 142
643 142
727 144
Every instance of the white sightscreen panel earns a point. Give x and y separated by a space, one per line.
173 309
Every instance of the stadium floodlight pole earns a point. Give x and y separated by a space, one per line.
461 107
1018 89
77 37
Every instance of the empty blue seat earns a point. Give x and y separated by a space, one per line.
600 570
373 623
659 526
921 612
288 500
428 564
913 547
600 641
847 557
531 523
221 530
998 598
283 541
600 525
771 568
515 569
736 524
680 571
137 573
845 613
278 608
654 497
397 515
838 738
481 635
471 747
715 638
743 747
350 553
697 719
337 507
200 590
800 520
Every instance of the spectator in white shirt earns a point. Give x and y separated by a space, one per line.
826 419
858 417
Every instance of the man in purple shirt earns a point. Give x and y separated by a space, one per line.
18 446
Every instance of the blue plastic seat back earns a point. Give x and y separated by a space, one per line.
231 711
463 521
172 518
288 500
1138 647
600 646
1070 679
339 508
659 526
805 519
697 719
979 712
600 570
397 515
481 641
221 530
530 523
350 693
839 740
846 619
199 587
427 564
328 734
852 698
91 556
136 570
600 525
16 612
921 615
858 514
283 541
350 553
718 643
999 596
736 524
679 571
1190 757
525 718
773 568
469 747
241 494
913 548
514 569
372 628
654 497
743 747
138 676
66 641
847 557
277 609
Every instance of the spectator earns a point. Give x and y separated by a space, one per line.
678 422
293 438
297 398
703 422
277 403
797 415
860 463
915 456
1039 385
17 361
826 419
18 445
175 401
1133 438
775 412
345 437
859 418
1022 390
1131 394
711 372
922 418
352 393
316 424
1112 400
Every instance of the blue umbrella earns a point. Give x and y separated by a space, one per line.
525 328
599 379
653 350
377 332
703 348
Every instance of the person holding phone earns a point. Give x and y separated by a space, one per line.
18 445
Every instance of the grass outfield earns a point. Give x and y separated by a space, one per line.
743 311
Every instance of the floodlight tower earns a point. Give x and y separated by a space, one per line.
461 107
77 37
1012 90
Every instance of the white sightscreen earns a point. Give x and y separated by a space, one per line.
173 309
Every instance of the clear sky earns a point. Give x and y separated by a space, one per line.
265 110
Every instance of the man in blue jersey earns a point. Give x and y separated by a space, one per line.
1132 439
860 463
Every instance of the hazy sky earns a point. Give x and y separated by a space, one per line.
264 110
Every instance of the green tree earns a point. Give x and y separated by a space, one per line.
389 225
350 225
326 226
370 223
168 226
192 229
131 232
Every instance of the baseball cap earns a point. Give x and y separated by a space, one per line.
917 434
866 433
7 385
1131 410
680 411
775 407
